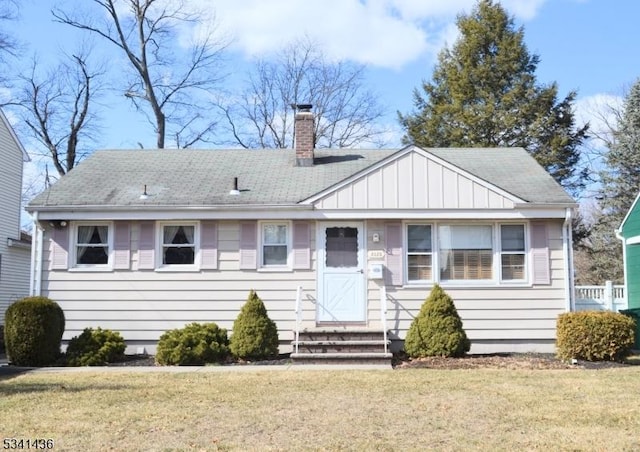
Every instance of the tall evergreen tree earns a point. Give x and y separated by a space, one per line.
620 183
484 94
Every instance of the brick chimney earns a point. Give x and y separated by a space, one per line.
304 129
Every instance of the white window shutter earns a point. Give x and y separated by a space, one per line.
122 245
301 245
209 245
540 253
59 249
393 275
248 245
146 246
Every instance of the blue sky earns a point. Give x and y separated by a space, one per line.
586 45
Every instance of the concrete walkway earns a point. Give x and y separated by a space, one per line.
12 370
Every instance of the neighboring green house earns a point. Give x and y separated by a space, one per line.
629 233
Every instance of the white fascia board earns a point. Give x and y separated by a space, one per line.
307 212
632 240
176 213
18 244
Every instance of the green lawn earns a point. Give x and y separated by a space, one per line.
412 409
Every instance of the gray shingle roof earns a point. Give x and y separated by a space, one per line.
266 177
512 169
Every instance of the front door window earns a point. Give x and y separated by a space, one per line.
341 247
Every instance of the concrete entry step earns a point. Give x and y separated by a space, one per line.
341 346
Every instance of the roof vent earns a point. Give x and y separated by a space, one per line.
144 194
234 191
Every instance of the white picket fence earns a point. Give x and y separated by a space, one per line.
609 297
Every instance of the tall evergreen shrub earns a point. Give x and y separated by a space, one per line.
255 335
437 329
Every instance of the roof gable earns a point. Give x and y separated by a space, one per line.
12 133
414 179
630 225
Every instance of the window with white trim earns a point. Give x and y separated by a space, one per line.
419 253
512 252
178 243
465 252
275 238
92 245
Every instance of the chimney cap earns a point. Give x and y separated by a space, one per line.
305 108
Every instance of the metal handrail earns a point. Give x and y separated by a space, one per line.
383 314
298 317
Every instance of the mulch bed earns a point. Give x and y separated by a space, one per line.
503 361
144 360
400 361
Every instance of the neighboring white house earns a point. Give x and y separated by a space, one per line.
15 245
143 241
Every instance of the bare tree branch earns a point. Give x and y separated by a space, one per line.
346 112
164 86
57 109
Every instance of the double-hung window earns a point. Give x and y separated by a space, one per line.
178 244
92 245
419 253
465 252
275 244
512 252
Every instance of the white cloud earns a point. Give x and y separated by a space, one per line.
381 33
523 9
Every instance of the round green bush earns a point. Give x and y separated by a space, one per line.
594 336
437 329
33 331
255 335
95 348
194 345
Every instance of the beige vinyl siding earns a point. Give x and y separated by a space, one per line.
14 265
415 182
524 315
143 304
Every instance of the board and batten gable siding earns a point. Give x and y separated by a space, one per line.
496 318
14 261
142 304
414 181
631 226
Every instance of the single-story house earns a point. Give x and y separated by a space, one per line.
629 233
15 245
143 241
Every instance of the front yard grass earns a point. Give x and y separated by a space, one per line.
411 409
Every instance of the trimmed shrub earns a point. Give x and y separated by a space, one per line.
194 345
95 348
437 329
2 339
594 336
33 331
255 335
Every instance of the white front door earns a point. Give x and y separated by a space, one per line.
341 288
